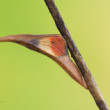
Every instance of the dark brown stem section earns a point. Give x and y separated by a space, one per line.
76 55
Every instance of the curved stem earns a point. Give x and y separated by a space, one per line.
76 55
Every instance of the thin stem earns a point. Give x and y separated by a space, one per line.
76 55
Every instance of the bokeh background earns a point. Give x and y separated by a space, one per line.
31 81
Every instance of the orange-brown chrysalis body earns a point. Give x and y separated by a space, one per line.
58 46
54 46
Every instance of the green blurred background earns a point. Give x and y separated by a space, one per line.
31 81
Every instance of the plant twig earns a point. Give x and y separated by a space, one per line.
76 55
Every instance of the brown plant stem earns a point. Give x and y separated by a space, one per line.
76 55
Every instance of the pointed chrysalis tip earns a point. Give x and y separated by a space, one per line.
9 38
